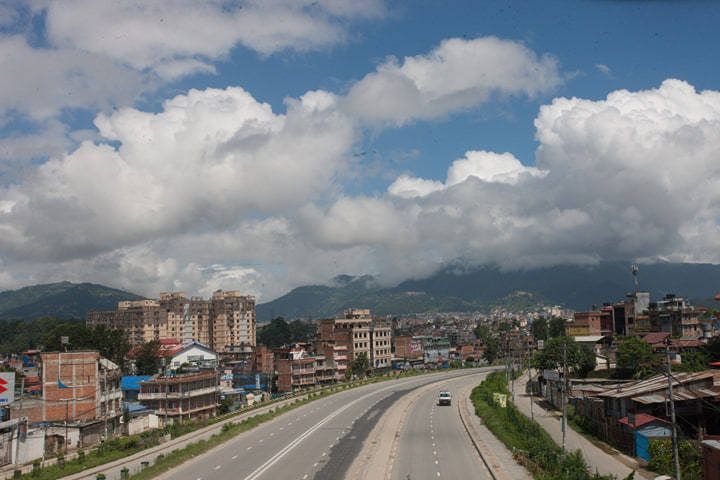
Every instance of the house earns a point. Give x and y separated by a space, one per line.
192 354
295 369
130 385
646 427
80 398
181 396
711 457
693 395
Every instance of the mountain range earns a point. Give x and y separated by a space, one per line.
457 289
453 289
63 300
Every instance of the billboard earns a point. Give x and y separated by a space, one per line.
414 347
7 388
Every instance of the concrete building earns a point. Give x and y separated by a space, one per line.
295 369
362 334
182 396
224 322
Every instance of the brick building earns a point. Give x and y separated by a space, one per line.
79 388
295 369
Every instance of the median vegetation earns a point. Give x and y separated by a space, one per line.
533 447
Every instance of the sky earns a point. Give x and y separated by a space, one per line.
262 145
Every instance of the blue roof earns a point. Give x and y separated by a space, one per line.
132 382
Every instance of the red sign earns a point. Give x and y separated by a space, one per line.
7 392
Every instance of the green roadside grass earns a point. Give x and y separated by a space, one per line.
532 445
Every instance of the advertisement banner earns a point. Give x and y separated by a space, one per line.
415 347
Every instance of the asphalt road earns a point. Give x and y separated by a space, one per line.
432 442
337 437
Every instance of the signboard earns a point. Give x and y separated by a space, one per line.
541 344
415 347
257 382
7 388
500 399
551 375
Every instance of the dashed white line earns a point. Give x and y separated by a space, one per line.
218 467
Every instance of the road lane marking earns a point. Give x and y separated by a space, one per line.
275 458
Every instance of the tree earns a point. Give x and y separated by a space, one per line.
580 357
556 327
275 334
492 348
148 357
539 329
635 358
482 332
300 331
361 363
112 344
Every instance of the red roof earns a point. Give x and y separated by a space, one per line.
641 419
32 380
655 337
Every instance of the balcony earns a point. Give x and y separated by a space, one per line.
177 395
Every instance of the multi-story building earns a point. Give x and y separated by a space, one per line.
674 315
224 322
295 369
585 323
79 390
362 333
181 396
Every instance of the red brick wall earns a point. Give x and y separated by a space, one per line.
78 371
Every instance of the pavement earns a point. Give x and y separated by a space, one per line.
599 456
500 462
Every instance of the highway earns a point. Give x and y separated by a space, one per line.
391 430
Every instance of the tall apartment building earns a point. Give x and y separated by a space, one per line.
224 322
362 333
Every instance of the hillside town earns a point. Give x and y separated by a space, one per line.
207 360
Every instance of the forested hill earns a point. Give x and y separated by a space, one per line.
62 300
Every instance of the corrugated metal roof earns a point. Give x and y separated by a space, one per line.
658 383
677 396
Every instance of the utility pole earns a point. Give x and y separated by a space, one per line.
532 413
105 392
672 412
564 395
19 425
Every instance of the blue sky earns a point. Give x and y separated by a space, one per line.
263 145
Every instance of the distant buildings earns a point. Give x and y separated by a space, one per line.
226 322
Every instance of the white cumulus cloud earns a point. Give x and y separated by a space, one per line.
456 76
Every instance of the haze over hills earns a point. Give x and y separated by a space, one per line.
457 289
451 290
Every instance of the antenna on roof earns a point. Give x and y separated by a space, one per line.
635 273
